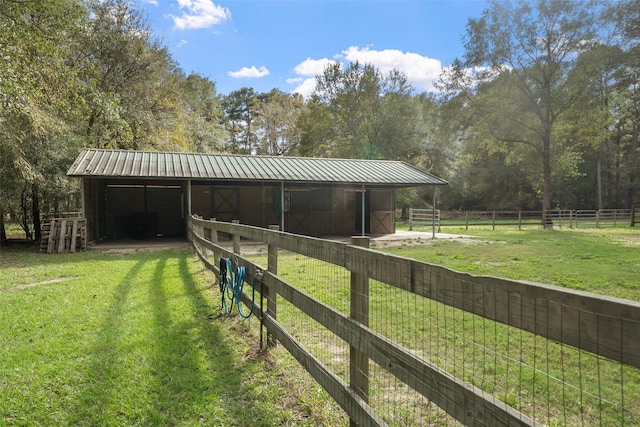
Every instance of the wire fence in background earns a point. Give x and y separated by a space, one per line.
424 219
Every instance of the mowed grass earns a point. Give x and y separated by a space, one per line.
136 338
553 383
602 261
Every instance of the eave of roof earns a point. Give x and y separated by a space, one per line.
99 163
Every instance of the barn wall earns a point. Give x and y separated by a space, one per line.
122 208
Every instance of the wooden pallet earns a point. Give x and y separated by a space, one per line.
64 235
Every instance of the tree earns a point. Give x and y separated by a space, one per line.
358 112
627 17
37 98
534 50
198 123
241 109
132 86
277 121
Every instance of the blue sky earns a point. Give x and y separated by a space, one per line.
284 44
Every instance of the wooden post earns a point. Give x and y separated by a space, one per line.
63 232
410 219
571 219
74 236
214 233
466 220
359 361
519 220
493 220
236 239
597 219
269 294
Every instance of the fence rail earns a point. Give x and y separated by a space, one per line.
486 351
581 218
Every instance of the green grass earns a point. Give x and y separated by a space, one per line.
603 261
554 383
136 338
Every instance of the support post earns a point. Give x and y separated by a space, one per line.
433 215
84 205
359 361
282 205
363 213
236 239
270 294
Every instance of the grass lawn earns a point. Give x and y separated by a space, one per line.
136 338
602 261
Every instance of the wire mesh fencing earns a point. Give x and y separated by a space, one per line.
446 348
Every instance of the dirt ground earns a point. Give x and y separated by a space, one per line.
377 241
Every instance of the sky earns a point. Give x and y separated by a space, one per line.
284 44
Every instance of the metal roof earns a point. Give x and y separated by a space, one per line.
225 167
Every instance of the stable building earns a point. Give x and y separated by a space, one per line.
141 194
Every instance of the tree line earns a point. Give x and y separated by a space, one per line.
541 112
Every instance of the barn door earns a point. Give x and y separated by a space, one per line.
225 203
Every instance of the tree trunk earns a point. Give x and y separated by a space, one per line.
599 180
3 232
546 170
633 156
35 212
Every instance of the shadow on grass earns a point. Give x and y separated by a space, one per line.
103 367
180 367
234 387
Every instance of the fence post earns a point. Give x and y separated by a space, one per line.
359 361
214 233
236 239
213 238
597 219
493 220
519 220
269 294
571 219
633 216
466 220
410 219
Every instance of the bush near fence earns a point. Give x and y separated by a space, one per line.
400 342
422 219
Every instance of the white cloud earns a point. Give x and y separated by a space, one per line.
182 42
306 88
251 73
312 67
308 70
421 71
199 14
151 2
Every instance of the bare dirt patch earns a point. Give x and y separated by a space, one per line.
30 285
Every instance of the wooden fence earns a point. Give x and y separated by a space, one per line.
580 218
582 326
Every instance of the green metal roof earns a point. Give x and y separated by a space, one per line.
225 167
